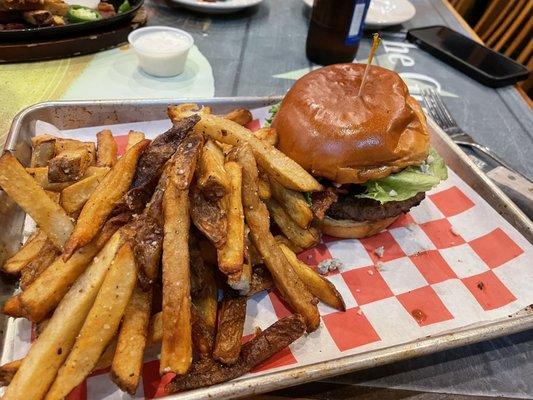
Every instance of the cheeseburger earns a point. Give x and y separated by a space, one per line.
368 147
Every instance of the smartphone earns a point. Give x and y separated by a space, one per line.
475 60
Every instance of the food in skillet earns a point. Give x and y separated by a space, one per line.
130 253
25 14
368 145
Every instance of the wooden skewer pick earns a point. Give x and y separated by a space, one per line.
375 44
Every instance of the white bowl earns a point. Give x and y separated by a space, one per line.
162 50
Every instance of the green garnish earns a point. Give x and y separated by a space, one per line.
82 14
124 7
408 182
273 111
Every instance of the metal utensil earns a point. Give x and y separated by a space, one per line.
517 186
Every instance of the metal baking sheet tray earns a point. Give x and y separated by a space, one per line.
77 114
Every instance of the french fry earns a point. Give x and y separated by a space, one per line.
61 145
205 299
70 165
40 174
43 295
304 238
261 280
23 189
241 283
231 254
134 137
273 161
127 362
106 150
25 254
35 268
290 285
74 197
155 331
319 286
267 135
203 337
106 359
263 187
52 347
176 347
212 178
209 217
283 240
42 150
13 307
242 116
231 315
103 199
293 203
8 371
100 326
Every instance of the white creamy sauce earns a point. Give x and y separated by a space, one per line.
161 42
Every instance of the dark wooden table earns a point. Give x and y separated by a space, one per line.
261 51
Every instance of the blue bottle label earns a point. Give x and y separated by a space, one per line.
355 32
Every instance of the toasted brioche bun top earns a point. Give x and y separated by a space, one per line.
331 132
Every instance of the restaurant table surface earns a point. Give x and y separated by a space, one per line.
260 52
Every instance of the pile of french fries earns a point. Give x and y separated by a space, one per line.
132 252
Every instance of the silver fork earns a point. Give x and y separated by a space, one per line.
438 111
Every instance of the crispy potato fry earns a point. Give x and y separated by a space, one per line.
212 178
23 189
209 217
56 7
8 371
51 348
241 283
106 359
205 299
70 165
283 240
13 307
26 253
103 199
319 286
134 137
290 285
100 326
263 187
203 337
242 116
49 288
61 145
261 280
304 238
273 161
42 150
40 174
127 362
231 255
176 348
231 315
293 203
74 197
155 331
208 251
35 268
267 135
106 150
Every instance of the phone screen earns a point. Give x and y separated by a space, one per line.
448 41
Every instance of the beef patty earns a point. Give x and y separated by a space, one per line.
355 209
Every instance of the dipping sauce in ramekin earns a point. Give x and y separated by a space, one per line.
162 50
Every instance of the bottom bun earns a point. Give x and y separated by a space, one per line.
347 229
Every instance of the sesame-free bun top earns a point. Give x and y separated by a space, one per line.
325 127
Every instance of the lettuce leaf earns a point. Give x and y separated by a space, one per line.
273 111
408 182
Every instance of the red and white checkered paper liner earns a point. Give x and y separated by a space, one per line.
451 262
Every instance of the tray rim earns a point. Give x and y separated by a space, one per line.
321 370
